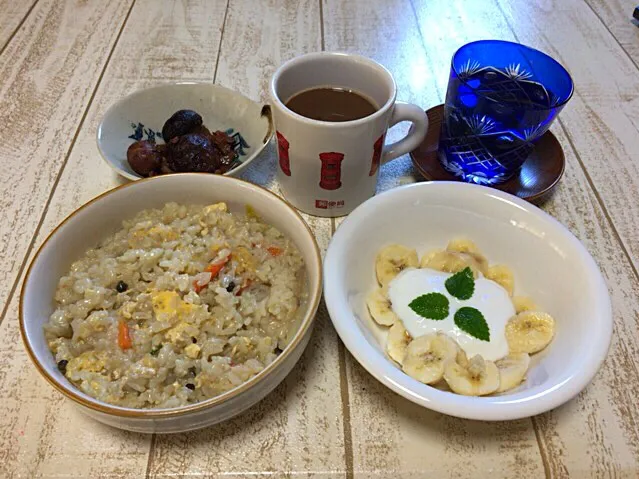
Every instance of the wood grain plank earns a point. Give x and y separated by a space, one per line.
601 119
13 14
594 435
616 15
297 430
162 41
598 434
47 75
406 440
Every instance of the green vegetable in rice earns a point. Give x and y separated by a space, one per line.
156 350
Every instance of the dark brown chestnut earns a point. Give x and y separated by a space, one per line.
143 157
193 152
181 123
224 145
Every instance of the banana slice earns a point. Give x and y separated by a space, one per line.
461 357
481 377
426 355
529 332
512 370
428 257
449 262
397 342
392 260
524 303
380 307
503 276
468 248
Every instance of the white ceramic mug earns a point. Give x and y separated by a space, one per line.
329 168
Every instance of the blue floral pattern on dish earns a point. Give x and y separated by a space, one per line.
139 132
239 143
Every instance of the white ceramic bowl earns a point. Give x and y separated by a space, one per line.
103 216
141 116
549 264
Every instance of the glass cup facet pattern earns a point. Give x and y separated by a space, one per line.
501 98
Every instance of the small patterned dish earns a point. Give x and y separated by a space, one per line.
141 115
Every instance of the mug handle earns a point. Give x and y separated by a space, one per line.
417 116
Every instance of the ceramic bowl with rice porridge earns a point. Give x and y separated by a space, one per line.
180 308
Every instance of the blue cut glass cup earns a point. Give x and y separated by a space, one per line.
501 98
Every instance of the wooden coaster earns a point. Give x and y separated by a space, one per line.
537 177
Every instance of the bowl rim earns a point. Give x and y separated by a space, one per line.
266 109
467 407
268 371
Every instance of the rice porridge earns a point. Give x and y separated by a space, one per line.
180 305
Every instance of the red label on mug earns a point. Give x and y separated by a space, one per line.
282 148
331 172
328 205
377 155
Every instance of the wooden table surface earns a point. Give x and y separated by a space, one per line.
63 62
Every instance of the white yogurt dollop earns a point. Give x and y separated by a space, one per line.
489 297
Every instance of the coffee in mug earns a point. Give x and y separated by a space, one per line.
331 104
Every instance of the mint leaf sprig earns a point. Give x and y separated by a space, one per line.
431 306
436 306
461 285
471 321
